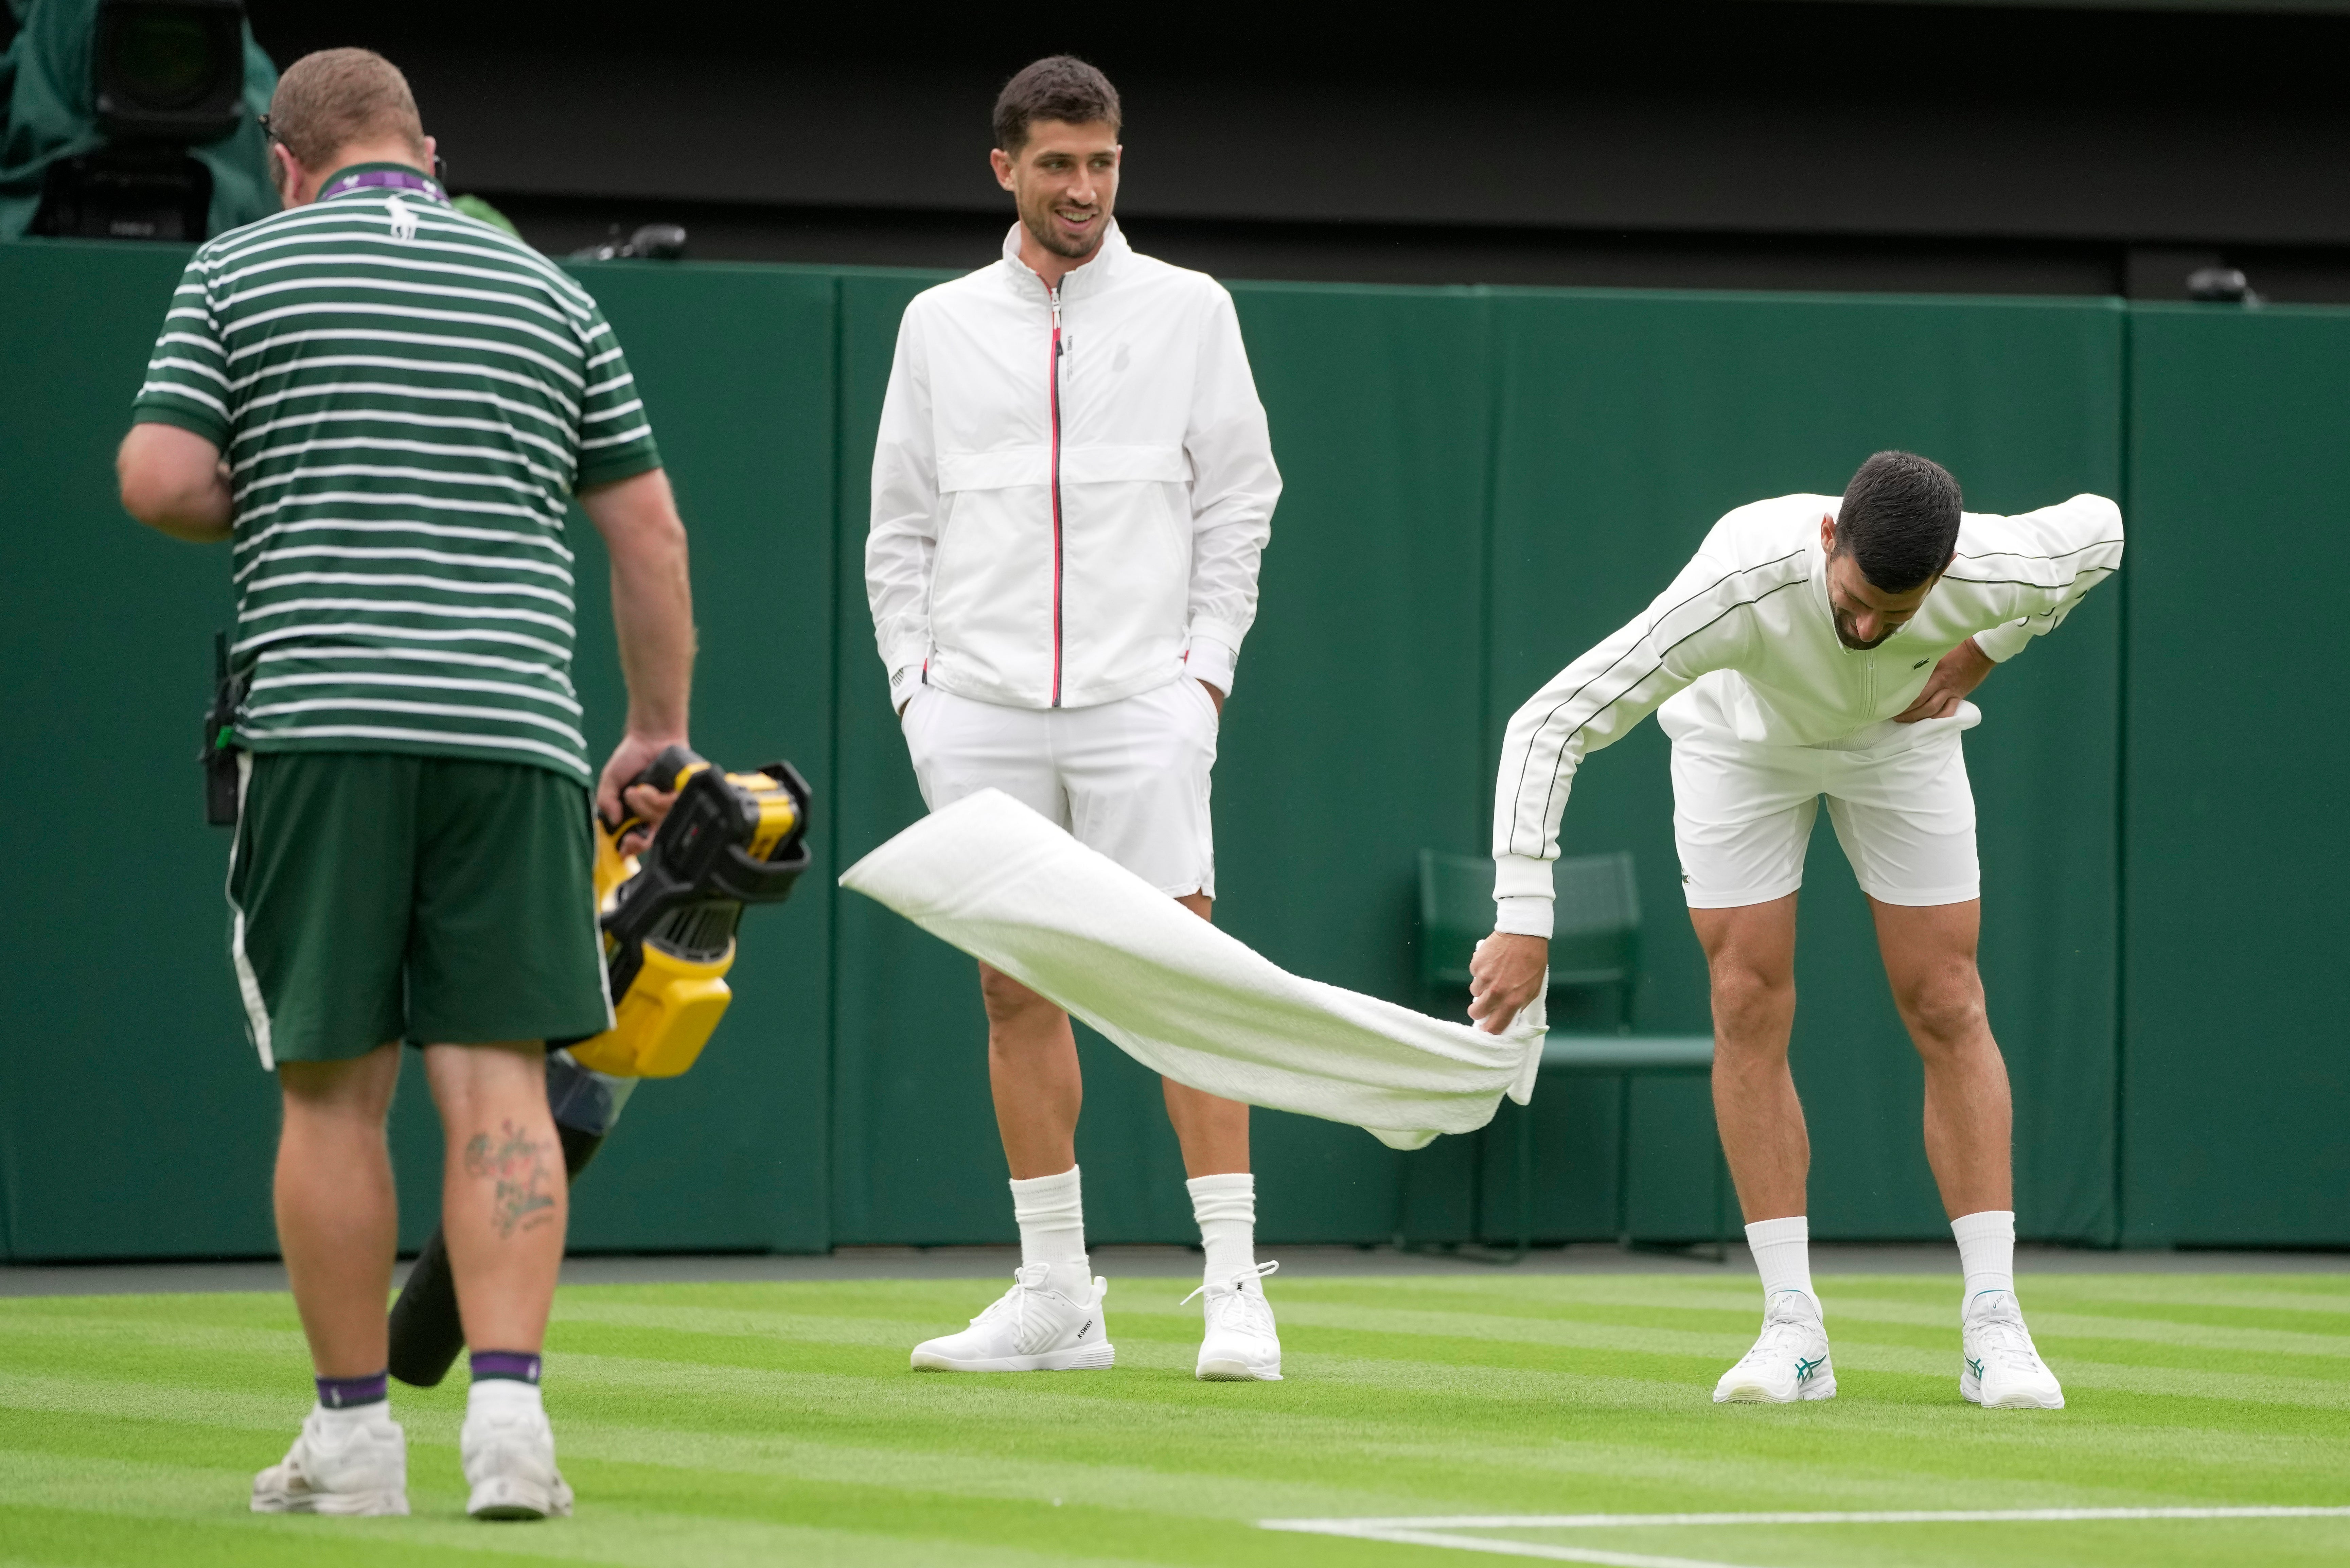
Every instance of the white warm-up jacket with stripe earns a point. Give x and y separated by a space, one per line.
1753 607
1071 488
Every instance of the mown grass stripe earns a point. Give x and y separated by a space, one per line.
777 1421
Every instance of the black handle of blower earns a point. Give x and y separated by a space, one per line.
426 1331
661 774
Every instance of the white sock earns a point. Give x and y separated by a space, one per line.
504 1393
1052 1214
339 1418
1783 1255
1225 1206
1986 1251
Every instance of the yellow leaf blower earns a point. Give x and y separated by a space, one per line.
669 918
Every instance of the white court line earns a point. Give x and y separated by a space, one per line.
1435 1530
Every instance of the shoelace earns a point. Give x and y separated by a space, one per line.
1776 1331
1014 1303
2009 1339
1234 1300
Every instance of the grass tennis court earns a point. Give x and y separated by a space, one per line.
712 1424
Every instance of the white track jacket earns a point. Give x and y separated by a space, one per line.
1071 491
1752 610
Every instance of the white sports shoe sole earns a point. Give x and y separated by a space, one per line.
1971 1387
513 1497
1754 1391
1099 1357
342 1504
1230 1369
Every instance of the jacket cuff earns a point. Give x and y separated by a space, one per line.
2004 642
1522 917
1209 660
902 681
1522 895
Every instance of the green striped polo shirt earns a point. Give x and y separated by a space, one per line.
406 397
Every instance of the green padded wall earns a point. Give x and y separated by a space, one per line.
2236 1055
1630 422
134 1118
736 363
914 1153
1480 483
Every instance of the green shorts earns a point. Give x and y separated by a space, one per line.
379 896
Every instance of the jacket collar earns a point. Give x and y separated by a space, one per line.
1089 278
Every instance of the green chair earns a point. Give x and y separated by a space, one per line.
1595 945
1594 925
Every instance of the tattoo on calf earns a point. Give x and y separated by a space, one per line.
526 1180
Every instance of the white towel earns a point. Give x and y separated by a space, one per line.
992 878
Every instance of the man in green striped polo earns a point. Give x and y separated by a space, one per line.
384 406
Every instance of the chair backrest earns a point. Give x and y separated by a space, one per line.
1595 923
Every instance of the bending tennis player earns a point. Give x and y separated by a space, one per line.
1071 489
1818 647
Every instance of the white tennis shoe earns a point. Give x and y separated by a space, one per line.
1788 1362
2003 1370
508 1450
339 1465
1240 1344
1034 1326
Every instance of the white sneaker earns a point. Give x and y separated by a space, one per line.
1241 1345
2003 1370
339 1465
1032 1327
508 1450
1788 1362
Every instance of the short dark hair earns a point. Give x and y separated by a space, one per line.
328 101
1899 521
1058 87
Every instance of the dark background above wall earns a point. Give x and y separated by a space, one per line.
1734 143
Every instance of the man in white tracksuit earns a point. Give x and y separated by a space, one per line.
1072 487
1818 645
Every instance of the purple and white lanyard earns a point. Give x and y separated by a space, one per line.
398 179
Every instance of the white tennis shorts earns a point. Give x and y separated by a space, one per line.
1897 794
1128 778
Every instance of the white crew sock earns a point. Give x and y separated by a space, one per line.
1225 1206
1051 1215
503 1394
1783 1255
1986 1251
343 1417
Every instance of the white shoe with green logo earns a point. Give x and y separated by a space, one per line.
1789 1360
2003 1370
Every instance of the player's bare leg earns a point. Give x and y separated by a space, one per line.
1749 954
1213 1132
1929 959
1032 1070
505 1206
